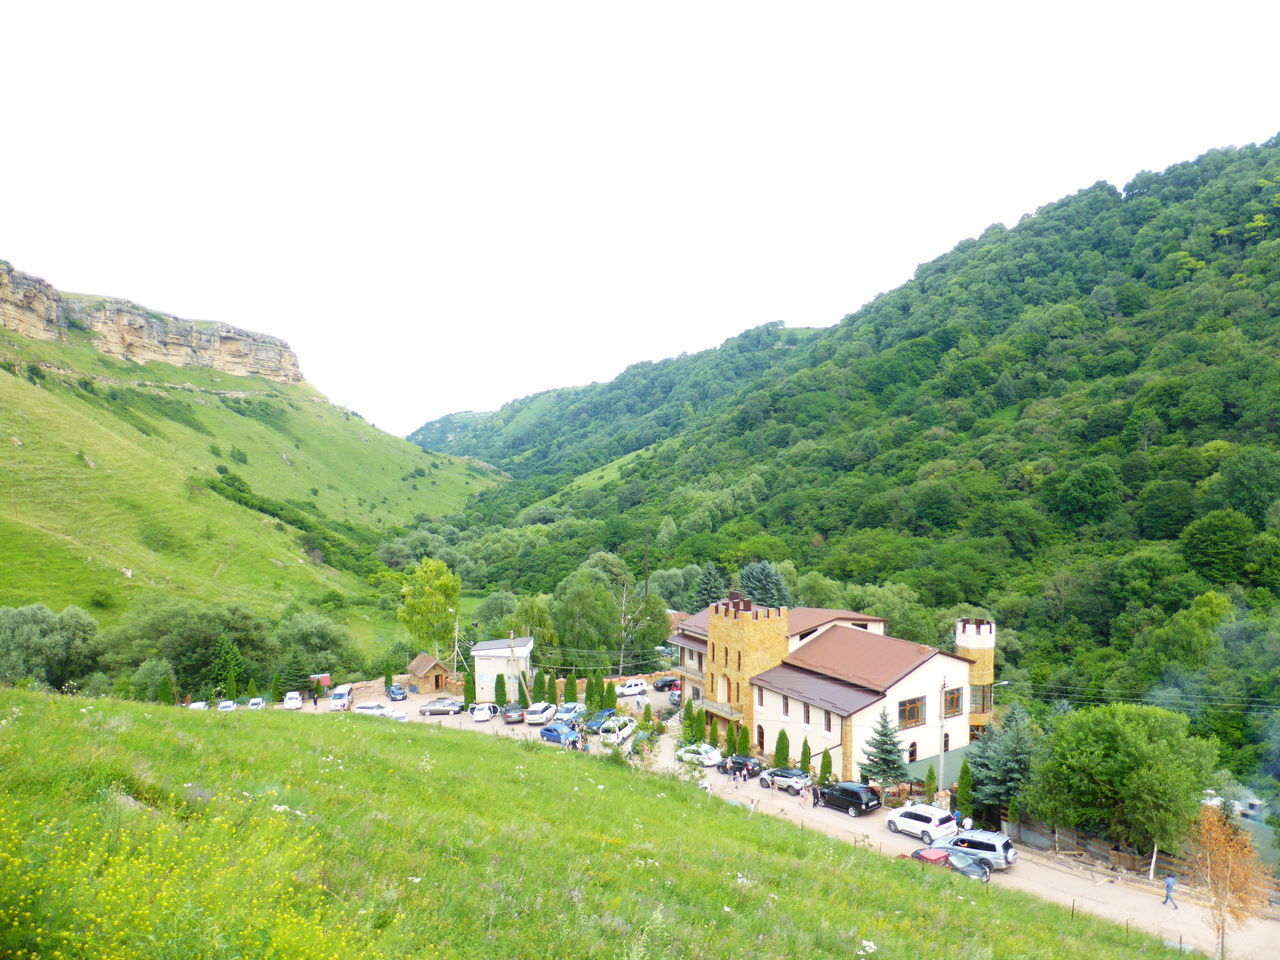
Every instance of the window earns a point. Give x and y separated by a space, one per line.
826 720
760 738
739 659
980 698
737 691
712 651
786 706
806 714
946 742
911 752
953 704
910 712
759 696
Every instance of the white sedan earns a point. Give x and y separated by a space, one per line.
257 703
702 754
227 705
372 709
540 713
480 712
632 688
615 730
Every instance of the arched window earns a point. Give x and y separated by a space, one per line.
760 738
946 742
911 752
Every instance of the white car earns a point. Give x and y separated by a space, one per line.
398 715
198 705
227 705
257 703
632 688
615 730
293 700
371 709
702 754
571 711
923 821
480 712
540 713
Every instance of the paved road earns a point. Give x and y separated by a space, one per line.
1123 899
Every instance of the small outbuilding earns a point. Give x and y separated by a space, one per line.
429 675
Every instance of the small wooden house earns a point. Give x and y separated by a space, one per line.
429 675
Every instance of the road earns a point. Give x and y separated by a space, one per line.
1124 898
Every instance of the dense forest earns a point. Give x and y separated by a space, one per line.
1069 424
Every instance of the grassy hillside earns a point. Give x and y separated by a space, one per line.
104 466
139 831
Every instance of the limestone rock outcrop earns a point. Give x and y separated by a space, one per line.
33 308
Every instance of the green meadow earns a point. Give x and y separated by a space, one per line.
139 831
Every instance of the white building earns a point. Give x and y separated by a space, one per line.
511 658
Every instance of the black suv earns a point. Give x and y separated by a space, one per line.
663 684
740 763
854 799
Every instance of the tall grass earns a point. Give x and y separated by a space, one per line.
136 831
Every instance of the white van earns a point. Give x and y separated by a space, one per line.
340 699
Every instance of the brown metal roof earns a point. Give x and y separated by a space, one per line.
688 642
840 698
870 660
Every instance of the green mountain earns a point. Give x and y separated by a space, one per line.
1070 424
269 834
121 479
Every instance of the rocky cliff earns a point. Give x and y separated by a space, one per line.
33 308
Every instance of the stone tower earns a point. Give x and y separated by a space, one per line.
976 640
742 641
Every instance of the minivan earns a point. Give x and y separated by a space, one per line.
340 699
992 850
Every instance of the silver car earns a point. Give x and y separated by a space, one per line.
994 851
790 779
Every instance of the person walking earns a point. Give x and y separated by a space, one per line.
815 791
1169 881
966 823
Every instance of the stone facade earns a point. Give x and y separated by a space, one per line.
742 641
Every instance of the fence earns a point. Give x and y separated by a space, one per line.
1072 843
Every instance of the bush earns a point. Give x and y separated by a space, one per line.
238 455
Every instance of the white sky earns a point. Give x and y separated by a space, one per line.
443 206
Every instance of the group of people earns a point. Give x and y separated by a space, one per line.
579 741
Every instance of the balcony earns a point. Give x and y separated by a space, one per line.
726 710
689 670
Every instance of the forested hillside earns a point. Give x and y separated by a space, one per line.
1070 424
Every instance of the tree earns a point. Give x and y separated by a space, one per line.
571 688
494 609
38 644
469 688
522 689
824 770
387 668
609 698
1090 494
687 722
294 673
782 750
538 694
1126 772
227 666
884 761
762 582
930 784
275 687
805 758
154 681
252 691
964 790
709 589
1217 545
1251 482
744 743
429 599
1224 862
999 762
500 689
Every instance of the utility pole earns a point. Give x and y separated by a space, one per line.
646 563
942 735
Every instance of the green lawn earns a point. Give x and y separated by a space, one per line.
134 830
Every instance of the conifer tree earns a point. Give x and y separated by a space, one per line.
500 689
610 696
762 582
571 688
805 758
930 784
964 790
884 761
522 689
275 687
553 694
252 690
648 715
687 721
700 726
469 688
537 688
387 669
824 771
782 750
709 589
164 689
744 742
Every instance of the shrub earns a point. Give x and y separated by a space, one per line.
238 455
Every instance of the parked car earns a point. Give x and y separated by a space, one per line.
702 754
540 712
441 705
227 705
953 860
854 799
257 703
615 730
923 821
395 693
198 705
558 733
571 711
741 763
371 709
293 700
676 698
512 713
598 718
632 688
401 716
666 684
480 712
992 850
790 779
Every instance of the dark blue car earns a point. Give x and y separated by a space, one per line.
598 718
558 733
